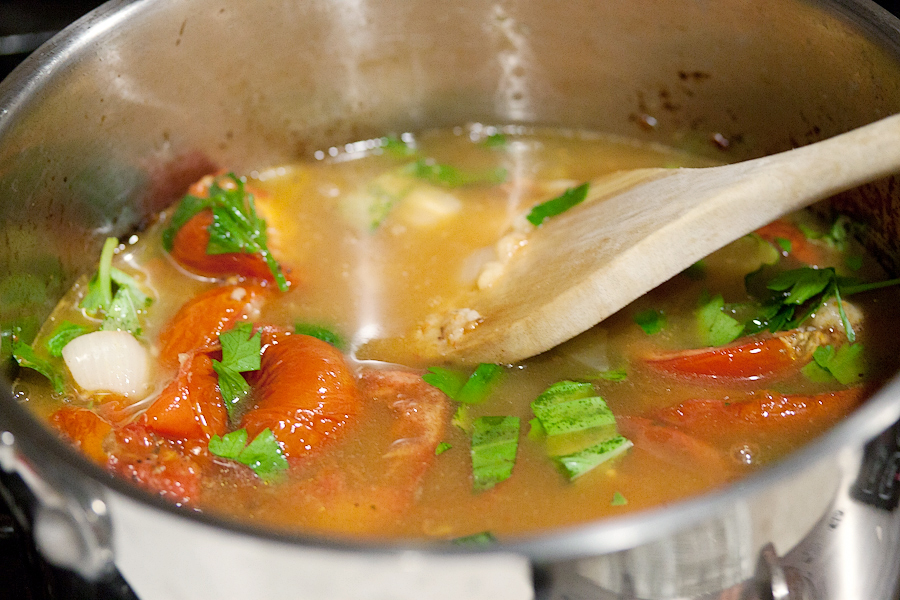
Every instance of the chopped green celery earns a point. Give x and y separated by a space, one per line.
555 206
263 454
26 357
575 441
484 538
319 332
651 321
577 464
618 499
717 328
495 441
449 176
64 333
568 406
846 364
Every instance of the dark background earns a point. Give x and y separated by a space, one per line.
24 25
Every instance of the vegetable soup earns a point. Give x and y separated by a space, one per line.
243 356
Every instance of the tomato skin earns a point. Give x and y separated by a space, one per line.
87 431
189 251
191 406
754 360
304 392
673 446
764 412
801 248
157 465
198 323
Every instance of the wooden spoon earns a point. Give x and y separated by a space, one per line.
638 229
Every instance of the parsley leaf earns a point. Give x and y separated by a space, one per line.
652 321
319 332
240 353
716 327
64 333
484 538
569 198
26 357
236 226
263 454
458 387
441 448
846 364
113 295
611 375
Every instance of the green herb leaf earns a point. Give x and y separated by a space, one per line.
446 380
236 226
241 350
611 375
801 284
319 332
263 454
130 285
485 538
651 321
846 364
784 244
480 384
618 500
495 140
122 315
717 328
577 464
569 406
495 441
441 448
462 418
397 147
26 357
448 176
64 333
99 294
569 198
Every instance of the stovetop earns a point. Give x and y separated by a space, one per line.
24 575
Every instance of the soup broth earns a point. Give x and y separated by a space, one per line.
709 377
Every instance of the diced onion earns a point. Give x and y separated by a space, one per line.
109 361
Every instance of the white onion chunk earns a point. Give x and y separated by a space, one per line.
109 361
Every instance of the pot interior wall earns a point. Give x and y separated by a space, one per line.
159 93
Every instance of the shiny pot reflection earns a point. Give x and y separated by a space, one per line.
111 120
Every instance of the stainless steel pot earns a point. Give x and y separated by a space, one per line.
110 120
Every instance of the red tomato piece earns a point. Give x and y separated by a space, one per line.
199 322
304 392
189 251
87 431
675 447
801 248
191 406
764 412
754 360
157 465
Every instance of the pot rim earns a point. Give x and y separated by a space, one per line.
607 535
